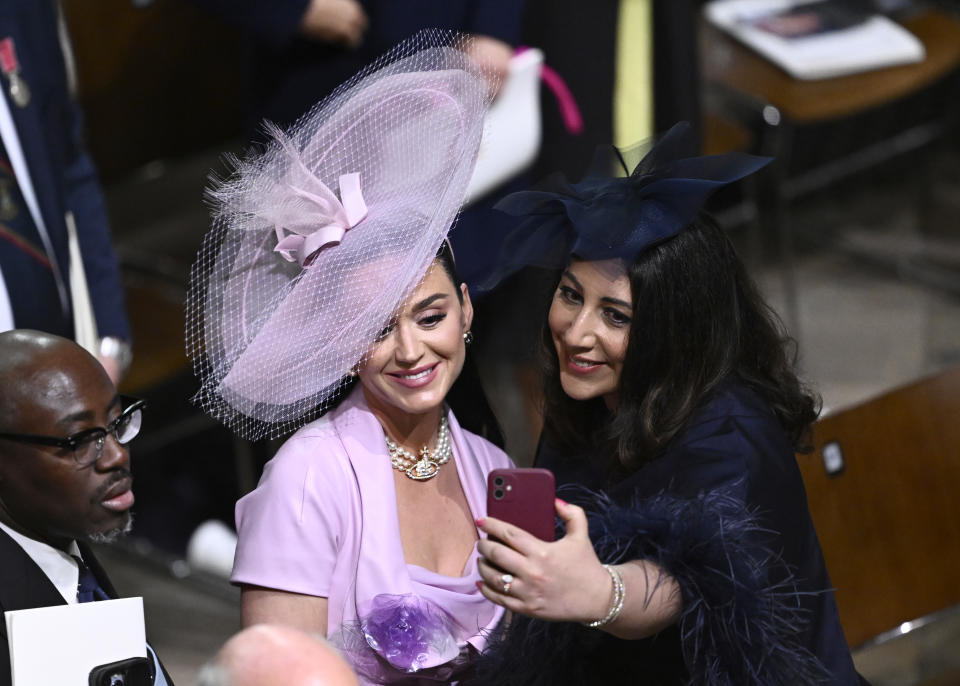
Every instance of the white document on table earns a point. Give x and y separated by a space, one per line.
873 43
61 644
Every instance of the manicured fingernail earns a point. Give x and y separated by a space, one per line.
480 521
562 502
479 584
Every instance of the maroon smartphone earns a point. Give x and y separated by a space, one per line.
523 497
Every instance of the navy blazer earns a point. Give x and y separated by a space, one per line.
24 586
291 73
50 129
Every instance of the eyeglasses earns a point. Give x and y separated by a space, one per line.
87 445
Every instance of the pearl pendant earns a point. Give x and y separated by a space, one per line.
424 469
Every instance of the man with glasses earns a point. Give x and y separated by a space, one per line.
65 476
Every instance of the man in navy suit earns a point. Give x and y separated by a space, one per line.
303 49
48 188
65 476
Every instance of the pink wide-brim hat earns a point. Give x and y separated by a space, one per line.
319 239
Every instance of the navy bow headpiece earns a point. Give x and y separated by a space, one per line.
613 211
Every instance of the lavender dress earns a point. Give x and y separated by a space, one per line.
323 522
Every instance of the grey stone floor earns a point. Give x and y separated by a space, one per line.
867 323
188 615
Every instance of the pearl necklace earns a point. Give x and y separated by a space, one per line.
428 464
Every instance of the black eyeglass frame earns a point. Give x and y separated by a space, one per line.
72 441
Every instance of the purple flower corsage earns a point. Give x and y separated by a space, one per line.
409 632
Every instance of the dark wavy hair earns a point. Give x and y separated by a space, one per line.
698 320
466 397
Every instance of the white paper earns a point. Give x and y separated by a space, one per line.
877 42
61 644
511 128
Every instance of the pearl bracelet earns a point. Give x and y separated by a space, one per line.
616 605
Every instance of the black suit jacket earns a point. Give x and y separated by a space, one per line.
23 586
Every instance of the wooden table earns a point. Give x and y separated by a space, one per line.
726 61
744 86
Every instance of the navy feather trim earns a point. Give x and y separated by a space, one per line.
742 622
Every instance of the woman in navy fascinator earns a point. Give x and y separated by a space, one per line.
672 413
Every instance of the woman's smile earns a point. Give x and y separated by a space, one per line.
420 353
590 326
581 365
416 378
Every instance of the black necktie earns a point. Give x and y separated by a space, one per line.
87 587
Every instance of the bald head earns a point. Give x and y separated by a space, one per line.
268 655
37 366
53 392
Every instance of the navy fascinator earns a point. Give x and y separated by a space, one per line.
613 211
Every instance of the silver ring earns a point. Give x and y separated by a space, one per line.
506 580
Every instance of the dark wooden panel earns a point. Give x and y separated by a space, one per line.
156 314
722 135
155 82
889 524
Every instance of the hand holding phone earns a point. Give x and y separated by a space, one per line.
134 671
523 497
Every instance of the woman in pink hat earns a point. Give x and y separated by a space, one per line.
326 289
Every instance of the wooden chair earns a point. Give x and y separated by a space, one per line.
889 518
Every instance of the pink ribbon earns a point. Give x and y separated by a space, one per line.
335 216
567 104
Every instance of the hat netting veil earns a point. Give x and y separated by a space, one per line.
321 236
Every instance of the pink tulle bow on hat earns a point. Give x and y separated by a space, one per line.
294 282
303 240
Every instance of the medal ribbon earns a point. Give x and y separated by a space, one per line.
8 57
